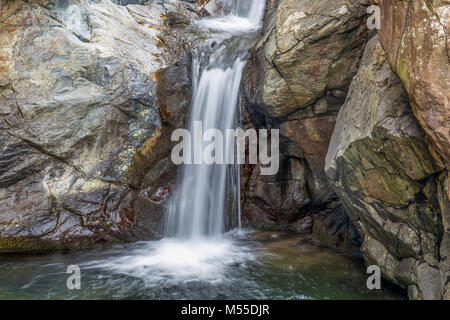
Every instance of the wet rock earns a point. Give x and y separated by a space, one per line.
308 48
273 201
311 136
81 121
415 36
428 280
404 272
413 293
445 246
216 7
296 80
380 166
333 228
375 253
444 264
304 225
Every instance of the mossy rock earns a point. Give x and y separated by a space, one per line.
38 245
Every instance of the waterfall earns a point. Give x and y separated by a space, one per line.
206 201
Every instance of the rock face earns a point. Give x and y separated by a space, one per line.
387 160
296 81
379 164
308 50
83 131
415 36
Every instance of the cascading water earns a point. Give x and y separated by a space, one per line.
207 198
193 254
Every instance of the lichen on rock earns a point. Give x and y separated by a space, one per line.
379 164
78 104
295 81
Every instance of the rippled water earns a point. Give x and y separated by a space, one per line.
239 265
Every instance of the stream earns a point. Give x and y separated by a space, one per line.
242 264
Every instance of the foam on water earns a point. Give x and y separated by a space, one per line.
230 25
196 248
174 261
238 266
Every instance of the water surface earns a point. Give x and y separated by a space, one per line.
238 265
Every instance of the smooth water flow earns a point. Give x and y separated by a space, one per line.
206 201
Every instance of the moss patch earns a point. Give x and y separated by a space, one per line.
38 245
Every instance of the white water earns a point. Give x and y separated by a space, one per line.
172 262
206 201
